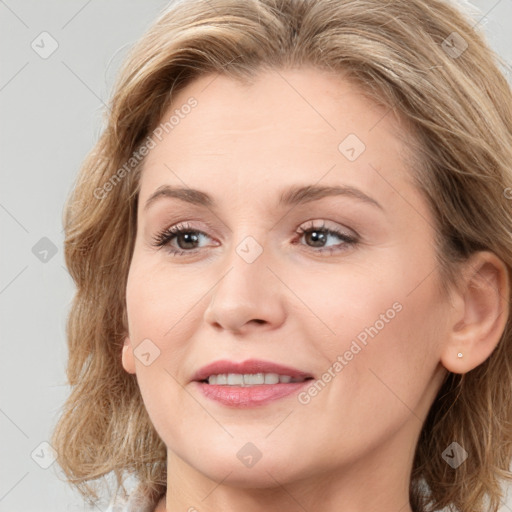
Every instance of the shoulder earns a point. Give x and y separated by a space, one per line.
135 502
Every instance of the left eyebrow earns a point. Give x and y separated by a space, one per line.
296 195
289 197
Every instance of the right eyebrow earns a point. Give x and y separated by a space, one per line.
188 195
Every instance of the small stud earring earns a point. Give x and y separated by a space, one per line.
459 354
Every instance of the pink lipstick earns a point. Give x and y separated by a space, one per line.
249 383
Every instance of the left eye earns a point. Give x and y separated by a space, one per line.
320 235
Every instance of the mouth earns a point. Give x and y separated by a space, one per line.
248 373
250 383
251 379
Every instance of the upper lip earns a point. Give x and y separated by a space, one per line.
250 366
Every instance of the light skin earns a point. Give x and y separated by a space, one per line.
351 447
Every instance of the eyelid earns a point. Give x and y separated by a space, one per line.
311 224
193 224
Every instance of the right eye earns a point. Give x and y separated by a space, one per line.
183 234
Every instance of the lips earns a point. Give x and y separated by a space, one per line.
251 366
225 382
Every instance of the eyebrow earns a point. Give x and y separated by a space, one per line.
290 197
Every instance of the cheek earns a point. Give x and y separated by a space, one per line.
161 302
163 312
391 356
156 330
352 300
379 375
385 322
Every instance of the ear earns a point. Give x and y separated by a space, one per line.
127 357
479 315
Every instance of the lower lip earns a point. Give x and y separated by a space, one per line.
249 396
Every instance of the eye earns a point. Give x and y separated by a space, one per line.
183 235
187 239
319 235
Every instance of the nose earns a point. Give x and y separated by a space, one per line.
247 296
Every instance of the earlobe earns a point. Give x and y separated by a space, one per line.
127 357
479 315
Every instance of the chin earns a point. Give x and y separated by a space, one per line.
246 464
263 475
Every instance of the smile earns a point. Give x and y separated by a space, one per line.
251 379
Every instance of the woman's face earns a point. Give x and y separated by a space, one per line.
337 282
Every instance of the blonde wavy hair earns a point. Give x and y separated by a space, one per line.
403 54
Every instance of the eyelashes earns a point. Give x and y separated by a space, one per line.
324 232
318 234
164 238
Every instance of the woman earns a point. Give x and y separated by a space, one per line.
292 253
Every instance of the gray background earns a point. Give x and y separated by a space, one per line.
51 115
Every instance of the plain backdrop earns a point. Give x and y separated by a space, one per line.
58 60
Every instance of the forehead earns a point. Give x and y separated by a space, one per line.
288 126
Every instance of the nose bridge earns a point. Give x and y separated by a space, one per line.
248 248
246 271
245 293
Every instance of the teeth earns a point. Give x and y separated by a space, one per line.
220 379
250 379
235 379
271 378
